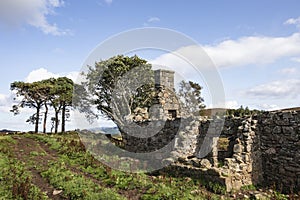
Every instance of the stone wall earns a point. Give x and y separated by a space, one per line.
280 149
150 136
262 149
240 164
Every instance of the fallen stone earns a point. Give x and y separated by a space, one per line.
57 192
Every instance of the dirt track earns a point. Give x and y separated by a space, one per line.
24 150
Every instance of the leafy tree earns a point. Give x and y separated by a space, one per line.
47 86
65 88
120 84
241 112
56 93
60 96
34 95
190 96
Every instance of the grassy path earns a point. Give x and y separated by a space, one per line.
37 166
36 157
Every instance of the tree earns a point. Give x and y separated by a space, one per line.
47 86
60 95
33 96
190 97
120 84
55 93
65 88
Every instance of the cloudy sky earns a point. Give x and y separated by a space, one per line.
255 45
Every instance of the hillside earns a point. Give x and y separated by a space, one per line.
36 166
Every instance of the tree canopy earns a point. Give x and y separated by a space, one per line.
190 97
53 93
118 85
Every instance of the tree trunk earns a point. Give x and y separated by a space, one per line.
45 118
56 121
37 119
63 118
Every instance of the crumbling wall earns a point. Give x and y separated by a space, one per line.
280 149
240 164
262 149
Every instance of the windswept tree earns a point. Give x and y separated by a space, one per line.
116 86
47 94
46 90
33 96
65 90
60 98
190 97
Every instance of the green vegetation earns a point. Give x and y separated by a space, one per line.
190 97
127 80
55 93
62 162
241 111
76 186
15 180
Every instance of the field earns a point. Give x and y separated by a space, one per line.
38 166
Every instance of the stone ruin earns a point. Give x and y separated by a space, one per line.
165 105
262 149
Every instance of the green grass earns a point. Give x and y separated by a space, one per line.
15 180
81 176
76 186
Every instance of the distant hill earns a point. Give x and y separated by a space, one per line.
7 131
106 130
288 109
211 111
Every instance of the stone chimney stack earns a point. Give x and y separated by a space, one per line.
164 78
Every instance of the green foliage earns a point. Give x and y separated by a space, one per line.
33 96
278 196
248 187
80 176
190 96
76 186
240 112
120 84
57 93
150 187
15 180
35 153
216 188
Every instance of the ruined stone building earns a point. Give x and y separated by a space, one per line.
166 104
262 149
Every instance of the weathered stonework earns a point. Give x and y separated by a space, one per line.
262 149
280 149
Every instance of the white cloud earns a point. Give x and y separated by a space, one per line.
72 75
232 104
5 102
153 19
232 53
40 74
276 89
296 59
269 107
31 12
108 1
293 21
289 70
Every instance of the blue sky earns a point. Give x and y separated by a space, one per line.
255 44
